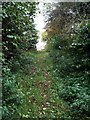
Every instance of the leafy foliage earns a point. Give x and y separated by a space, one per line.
18 34
54 85
71 58
64 16
71 64
18 28
12 96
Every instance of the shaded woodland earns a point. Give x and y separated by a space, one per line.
53 83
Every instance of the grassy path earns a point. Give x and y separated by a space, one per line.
40 98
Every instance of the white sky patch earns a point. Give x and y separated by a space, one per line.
40 24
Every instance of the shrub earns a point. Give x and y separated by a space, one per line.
72 67
12 96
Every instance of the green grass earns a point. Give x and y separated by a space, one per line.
40 98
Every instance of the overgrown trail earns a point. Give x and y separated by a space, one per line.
37 84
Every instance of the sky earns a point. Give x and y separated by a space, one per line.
40 24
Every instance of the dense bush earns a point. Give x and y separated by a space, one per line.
12 96
18 35
71 63
18 28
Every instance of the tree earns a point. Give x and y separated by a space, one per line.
18 27
18 34
69 49
65 17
